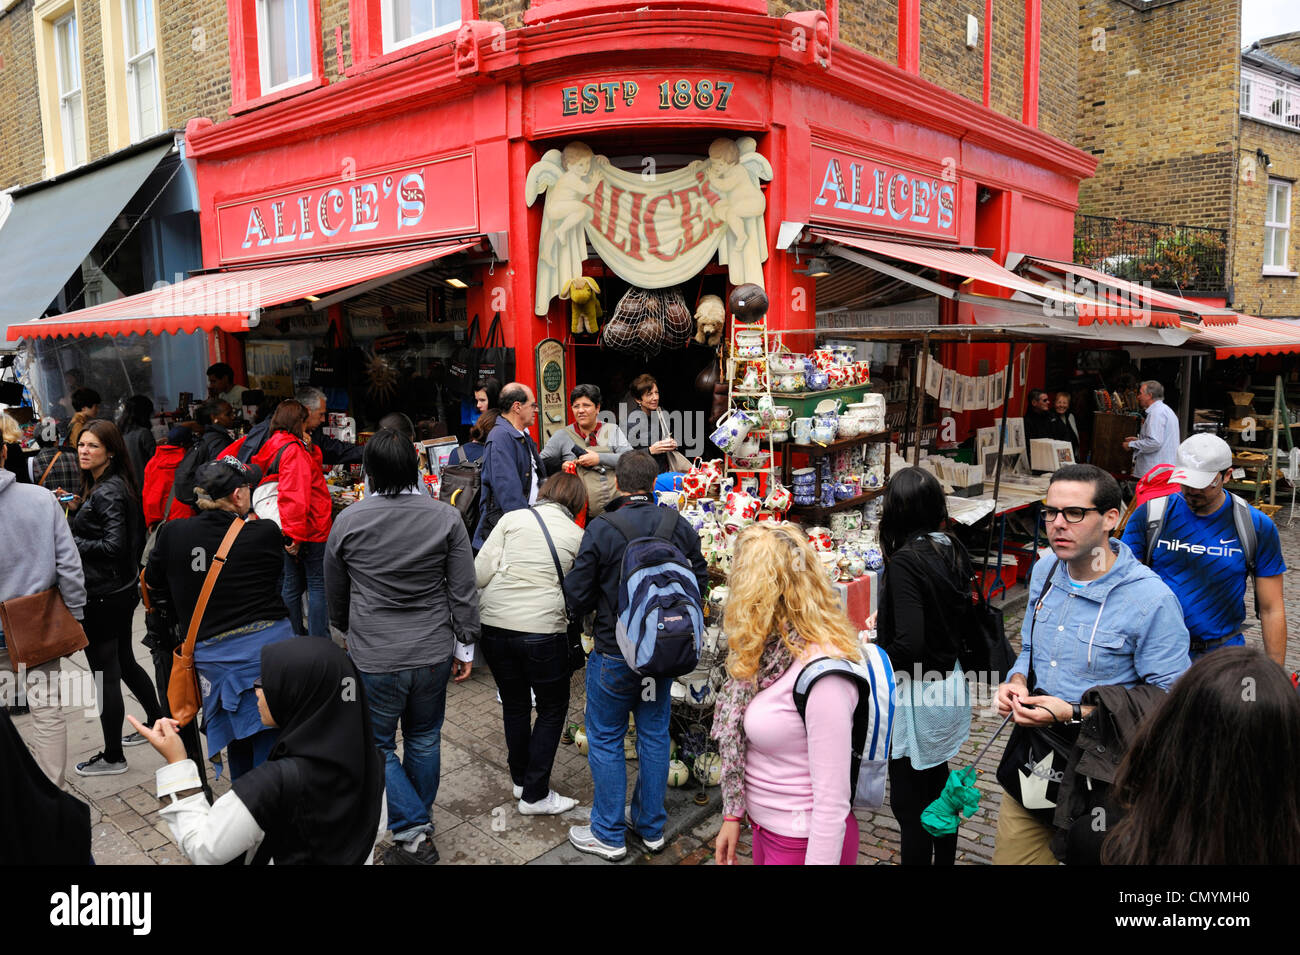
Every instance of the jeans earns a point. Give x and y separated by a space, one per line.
307 572
418 698
613 692
520 662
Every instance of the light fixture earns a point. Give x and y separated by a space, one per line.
146 358
312 298
456 283
817 268
1263 157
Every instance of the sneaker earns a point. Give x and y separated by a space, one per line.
97 765
134 739
518 791
654 845
552 805
417 851
582 839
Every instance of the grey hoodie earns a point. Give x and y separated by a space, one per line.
36 548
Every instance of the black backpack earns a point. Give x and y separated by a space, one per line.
183 481
461 486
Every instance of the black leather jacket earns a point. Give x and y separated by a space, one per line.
108 529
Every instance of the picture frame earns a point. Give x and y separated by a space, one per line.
947 389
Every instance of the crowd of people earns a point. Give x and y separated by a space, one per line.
1129 646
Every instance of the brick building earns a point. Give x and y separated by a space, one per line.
1181 120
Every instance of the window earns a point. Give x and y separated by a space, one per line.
67 55
408 21
1270 99
141 68
284 35
1277 225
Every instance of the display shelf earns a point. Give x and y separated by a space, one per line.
839 444
818 513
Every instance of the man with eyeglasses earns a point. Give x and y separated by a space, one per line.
1205 543
1096 617
512 467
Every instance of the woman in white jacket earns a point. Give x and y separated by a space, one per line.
524 636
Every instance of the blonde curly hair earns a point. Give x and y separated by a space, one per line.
777 590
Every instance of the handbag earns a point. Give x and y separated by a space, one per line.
677 462
40 628
983 647
577 655
329 363
462 369
494 359
1034 761
183 695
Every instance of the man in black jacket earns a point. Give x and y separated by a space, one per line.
614 690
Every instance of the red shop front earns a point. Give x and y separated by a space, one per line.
618 146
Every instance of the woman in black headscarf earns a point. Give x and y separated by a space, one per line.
319 797
39 823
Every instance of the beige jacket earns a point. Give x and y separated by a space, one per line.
518 588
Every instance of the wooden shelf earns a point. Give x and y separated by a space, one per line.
839 444
816 512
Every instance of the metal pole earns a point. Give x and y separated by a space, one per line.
1278 398
997 467
919 385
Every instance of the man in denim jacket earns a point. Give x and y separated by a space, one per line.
1105 619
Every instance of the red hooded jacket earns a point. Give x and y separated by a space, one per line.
159 474
304 497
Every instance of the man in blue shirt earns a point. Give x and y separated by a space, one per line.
1096 617
1199 554
1158 441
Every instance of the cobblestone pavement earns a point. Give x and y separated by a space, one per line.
476 818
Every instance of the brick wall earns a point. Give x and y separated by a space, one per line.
1253 292
195 53
508 12
92 81
1158 107
23 157
1058 84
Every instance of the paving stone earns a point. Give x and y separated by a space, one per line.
109 845
141 801
128 821
150 838
467 844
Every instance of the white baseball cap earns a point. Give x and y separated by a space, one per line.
1201 458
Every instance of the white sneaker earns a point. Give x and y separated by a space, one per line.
552 805
654 845
518 791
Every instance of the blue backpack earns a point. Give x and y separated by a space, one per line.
660 614
873 718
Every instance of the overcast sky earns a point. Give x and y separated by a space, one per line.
1261 18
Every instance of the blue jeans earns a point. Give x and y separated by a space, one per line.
307 572
613 692
417 697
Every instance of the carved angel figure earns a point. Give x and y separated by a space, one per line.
563 176
733 171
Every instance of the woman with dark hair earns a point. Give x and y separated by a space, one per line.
108 529
137 431
474 449
305 513
1213 776
319 797
486 394
649 427
524 639
925 601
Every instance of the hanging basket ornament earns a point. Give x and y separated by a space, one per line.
647 321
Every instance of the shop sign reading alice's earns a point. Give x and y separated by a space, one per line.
653 230
857 190
356 209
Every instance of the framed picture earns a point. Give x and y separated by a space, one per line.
1064 455
981 393
968 399
997 383
1015 434
437 451
933 378
947 388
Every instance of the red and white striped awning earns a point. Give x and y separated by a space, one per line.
970 266
1250 336
1120 291
231 300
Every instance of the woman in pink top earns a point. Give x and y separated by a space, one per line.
791 780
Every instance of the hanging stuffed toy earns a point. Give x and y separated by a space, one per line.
710 316
584 305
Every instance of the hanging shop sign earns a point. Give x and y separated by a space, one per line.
355 210
655 230
550 387
680 97
856 190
